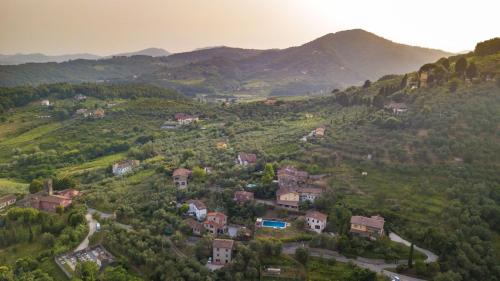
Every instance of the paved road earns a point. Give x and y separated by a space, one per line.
431 257
92 228
374 265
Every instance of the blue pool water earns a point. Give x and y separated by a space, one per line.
274 224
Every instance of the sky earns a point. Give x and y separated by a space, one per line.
107 27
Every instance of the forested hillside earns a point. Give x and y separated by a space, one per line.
421 149
332 61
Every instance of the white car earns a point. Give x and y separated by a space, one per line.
395 278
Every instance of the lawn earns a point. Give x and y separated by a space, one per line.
32 134
8 186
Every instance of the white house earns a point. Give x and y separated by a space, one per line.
45 102
316 221
122 167
197 209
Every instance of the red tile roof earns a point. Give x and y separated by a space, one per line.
223 243
199 205
373 221
181 172
248 157
217 215
316 215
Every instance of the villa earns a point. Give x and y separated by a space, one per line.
288 199
197 209
47 201
181 177
216 223
122 167
291 179
222 251
316 221
245 159
195 226
243 196
7 200
185 119
367 226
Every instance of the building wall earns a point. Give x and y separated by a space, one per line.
221 255
316 225
290 197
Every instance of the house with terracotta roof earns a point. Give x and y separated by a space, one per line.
197 209
195 226
221 145
245 159
287 198
216 223
319 132
47 201
316 221
367 226
122 167
180 177
7 200
185 119
290 177
222 251
309 193
243 196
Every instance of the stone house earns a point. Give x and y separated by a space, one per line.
7 200
367 226
122 167
222 251
195 226
197 209
287 198
180 177
216 223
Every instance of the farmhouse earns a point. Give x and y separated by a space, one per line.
47 201
287 198
245 159
185 119
120 168
7 200
80 97
319 132
290 177
195 226
397 108
367 226
243 196
316 221
216 223
45 102
180 177
309 193
197 209
222 251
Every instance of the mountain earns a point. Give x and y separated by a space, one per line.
41 58
152 52
335 60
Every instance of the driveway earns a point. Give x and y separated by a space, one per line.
431 257
371 264
92 228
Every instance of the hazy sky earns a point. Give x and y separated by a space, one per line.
112 26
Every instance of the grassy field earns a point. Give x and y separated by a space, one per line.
8 186
99 163
330 270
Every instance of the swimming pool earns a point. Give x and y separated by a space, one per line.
273 224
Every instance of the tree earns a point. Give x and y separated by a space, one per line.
87 271
461 66
367 84
48 239
445 62
448 276
6 273
35 186
117 273
64 183
471 71
410 256
198 174
420 268
453 85
302 255
268 174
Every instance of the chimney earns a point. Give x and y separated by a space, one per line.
48 186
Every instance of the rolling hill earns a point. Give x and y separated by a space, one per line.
333 61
